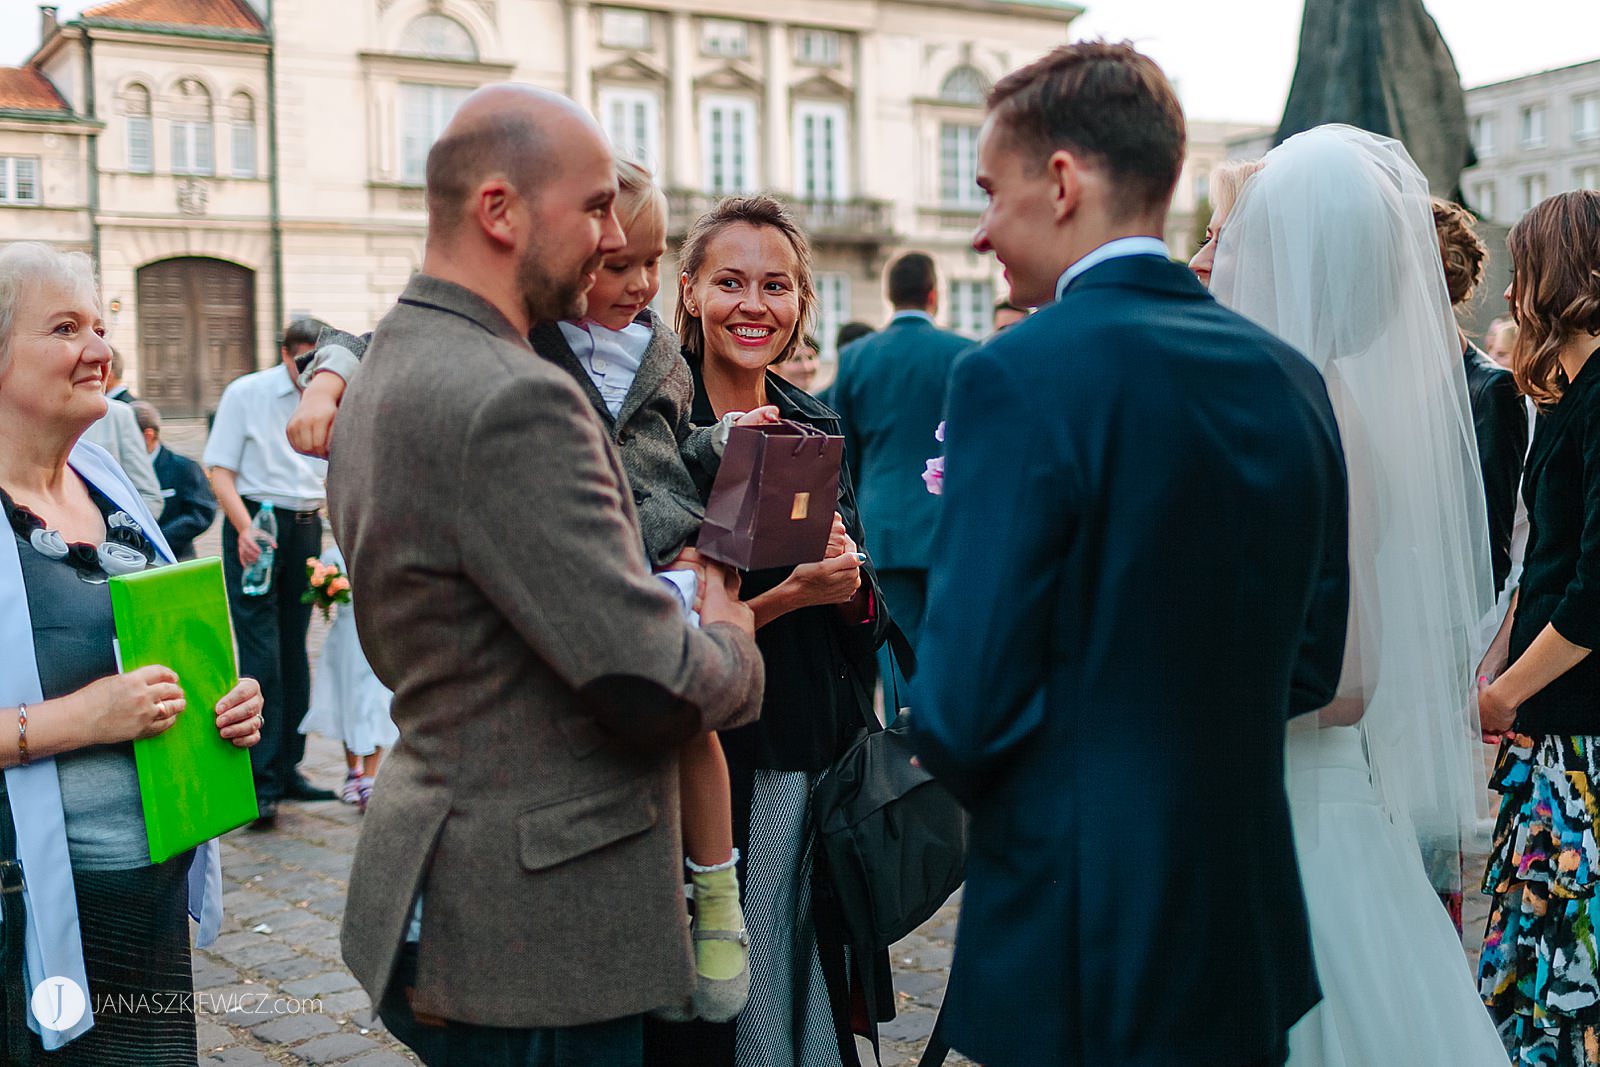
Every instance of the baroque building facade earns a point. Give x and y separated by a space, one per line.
232 166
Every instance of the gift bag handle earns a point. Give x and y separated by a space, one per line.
807 433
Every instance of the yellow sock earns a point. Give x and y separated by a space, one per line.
716 907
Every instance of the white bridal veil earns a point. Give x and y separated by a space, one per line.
1332 247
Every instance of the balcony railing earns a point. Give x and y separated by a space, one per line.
857 221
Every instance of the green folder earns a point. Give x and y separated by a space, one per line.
194 783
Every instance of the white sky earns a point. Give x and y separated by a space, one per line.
1231 59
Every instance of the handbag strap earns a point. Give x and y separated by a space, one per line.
17 1038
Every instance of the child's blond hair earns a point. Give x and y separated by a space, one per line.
640 202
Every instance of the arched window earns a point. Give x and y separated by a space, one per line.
439 37
191 129
136 106
964 85
242 122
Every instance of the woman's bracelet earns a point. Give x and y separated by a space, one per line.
22 733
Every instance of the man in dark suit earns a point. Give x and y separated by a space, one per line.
187 504
1140 574
890 396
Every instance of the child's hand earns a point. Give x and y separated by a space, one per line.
311 426
763 416
689 560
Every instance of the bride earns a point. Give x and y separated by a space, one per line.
1332 247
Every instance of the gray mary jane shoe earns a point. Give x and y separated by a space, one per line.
721 1000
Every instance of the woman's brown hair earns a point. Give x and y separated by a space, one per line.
1461 248
754 211
1555 287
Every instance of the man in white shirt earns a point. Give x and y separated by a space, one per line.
118 432
251 463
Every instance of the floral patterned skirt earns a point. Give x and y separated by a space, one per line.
1540 969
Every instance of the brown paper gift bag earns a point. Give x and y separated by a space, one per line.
773 501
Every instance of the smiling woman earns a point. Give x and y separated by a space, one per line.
98 913
744 297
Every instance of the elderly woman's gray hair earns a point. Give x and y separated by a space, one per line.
24 264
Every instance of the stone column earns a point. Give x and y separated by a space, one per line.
580 59
860 176
777 136
683 154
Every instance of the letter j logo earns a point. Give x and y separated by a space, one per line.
58 1003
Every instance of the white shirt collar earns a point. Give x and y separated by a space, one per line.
1122 246
912 313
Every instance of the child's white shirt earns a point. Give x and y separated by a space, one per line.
611 358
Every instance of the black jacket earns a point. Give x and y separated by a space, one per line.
1500 423
189 507
817 701
1560 583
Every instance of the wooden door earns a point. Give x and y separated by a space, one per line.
196 332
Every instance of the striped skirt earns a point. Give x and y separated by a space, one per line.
135 928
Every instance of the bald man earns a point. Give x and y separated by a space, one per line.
516 895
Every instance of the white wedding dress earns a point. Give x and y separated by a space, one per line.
1331 246
1396 985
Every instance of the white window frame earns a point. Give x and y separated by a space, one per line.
625 28
1483 131
414 145
141 145
1586 176
12 170
821 180
744 178
972 306
632 121
1533 125
725 38
193 147
833 311
1586 117
958 187
1534 189
1485 197
817 48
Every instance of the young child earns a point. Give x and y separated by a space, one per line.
348 701
630 365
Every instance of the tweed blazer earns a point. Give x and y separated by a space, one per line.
543 682
664 453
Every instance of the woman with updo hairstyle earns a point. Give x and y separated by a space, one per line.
745 297
1540 684
1499 420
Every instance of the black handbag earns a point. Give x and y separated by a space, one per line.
894 838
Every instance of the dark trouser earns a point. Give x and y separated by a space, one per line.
271 631
614 1043
905 593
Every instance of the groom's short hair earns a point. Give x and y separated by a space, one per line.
1107 103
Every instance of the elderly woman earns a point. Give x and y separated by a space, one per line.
95 918
743 296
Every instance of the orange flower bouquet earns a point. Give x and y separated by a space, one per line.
329 586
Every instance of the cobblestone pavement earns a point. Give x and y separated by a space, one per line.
273 989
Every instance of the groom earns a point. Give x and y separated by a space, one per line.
1139 576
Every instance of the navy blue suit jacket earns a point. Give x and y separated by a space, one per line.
890 396
189 507
1140 574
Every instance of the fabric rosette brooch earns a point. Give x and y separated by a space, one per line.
329 586
933 473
